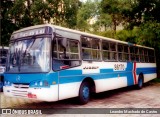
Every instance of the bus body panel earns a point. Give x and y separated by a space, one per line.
27 78
44 94
71 79
105 78
69 90
23 85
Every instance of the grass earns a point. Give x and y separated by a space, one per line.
156 80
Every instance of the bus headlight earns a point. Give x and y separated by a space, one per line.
35 83
43 83
7 83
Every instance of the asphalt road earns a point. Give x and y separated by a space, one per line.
129 97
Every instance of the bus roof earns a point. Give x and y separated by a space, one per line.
80 33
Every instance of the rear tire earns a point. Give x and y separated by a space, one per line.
84 93
140 82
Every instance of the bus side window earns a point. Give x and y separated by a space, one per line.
151 56
120 52
67 57
136 54
105 50
141 53
86 48
132 53
113 52
146 55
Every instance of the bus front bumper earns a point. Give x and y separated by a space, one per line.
44 94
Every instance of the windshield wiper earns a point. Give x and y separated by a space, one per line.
19 61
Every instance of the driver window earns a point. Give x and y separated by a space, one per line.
65 57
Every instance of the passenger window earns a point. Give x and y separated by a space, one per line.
90 48
137 54
113 46
105 45
109 51
141 55
123 54
151 56
86 42
146 55
120 48
132 53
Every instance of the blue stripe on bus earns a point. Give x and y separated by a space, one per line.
129 66
105 74
71 79
70 72
146 70
106 70
28 78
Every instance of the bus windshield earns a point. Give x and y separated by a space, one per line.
29 55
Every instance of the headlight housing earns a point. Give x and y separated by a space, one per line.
7 83
43 83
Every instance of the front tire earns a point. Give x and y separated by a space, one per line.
1 83
84 93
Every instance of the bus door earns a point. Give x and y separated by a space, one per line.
66 58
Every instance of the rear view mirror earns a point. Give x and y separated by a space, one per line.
64 42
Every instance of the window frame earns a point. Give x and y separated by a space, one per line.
91 49
123 52
110 51
57 52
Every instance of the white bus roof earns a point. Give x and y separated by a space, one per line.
80 33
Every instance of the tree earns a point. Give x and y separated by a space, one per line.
70 12
115 9
41 11
7 25
86 12
20 13
142 11
103 21
149 34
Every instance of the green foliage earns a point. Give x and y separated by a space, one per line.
116 8
149 34
7 26
22 13
108 33
128 35
103 22
157 80
142 11
87 11
40 12
71 9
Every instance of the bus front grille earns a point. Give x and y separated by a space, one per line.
20 90
24 86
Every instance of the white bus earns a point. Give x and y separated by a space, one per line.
51 63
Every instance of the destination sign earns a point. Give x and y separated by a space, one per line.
32 32
29 33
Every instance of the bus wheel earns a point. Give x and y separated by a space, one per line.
84 93
140 81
